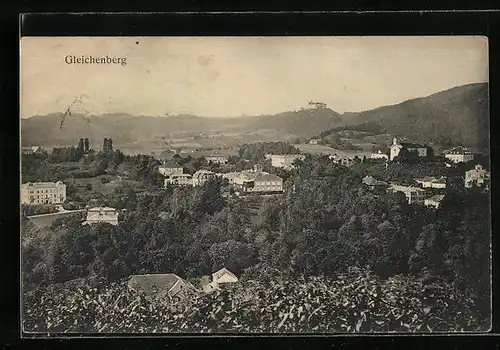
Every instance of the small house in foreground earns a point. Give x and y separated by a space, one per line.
220 279
223 277
160 284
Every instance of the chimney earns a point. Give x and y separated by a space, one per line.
394 141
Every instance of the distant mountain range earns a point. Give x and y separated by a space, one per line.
456 116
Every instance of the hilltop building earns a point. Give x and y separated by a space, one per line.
434 201
101 214
216 159
459 155
432 182
316 105
179 180
202 176
161 284
397 147
477 177
43 192
284 161
314 141
222 278
171 168
414 195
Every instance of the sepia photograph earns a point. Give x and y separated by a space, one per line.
255 185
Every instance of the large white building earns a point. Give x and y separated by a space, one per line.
397 147
202 176
414 195
101 214
459 155
170 168
284 161
179 180
255 181
43 192
476 177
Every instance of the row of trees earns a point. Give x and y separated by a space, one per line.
258 150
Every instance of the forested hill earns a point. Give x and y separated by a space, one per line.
128 129
458 116
304 123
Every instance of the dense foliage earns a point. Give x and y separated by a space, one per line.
34 209
354 302
324 224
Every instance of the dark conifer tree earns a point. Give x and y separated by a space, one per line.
86 147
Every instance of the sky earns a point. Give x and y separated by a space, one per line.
235 76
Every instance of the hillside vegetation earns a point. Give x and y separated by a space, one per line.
354 302
459 116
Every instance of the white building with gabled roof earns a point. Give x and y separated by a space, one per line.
101 214
222 278
459 155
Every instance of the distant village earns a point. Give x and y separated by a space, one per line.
427 190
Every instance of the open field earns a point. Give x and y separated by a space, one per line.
107 189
